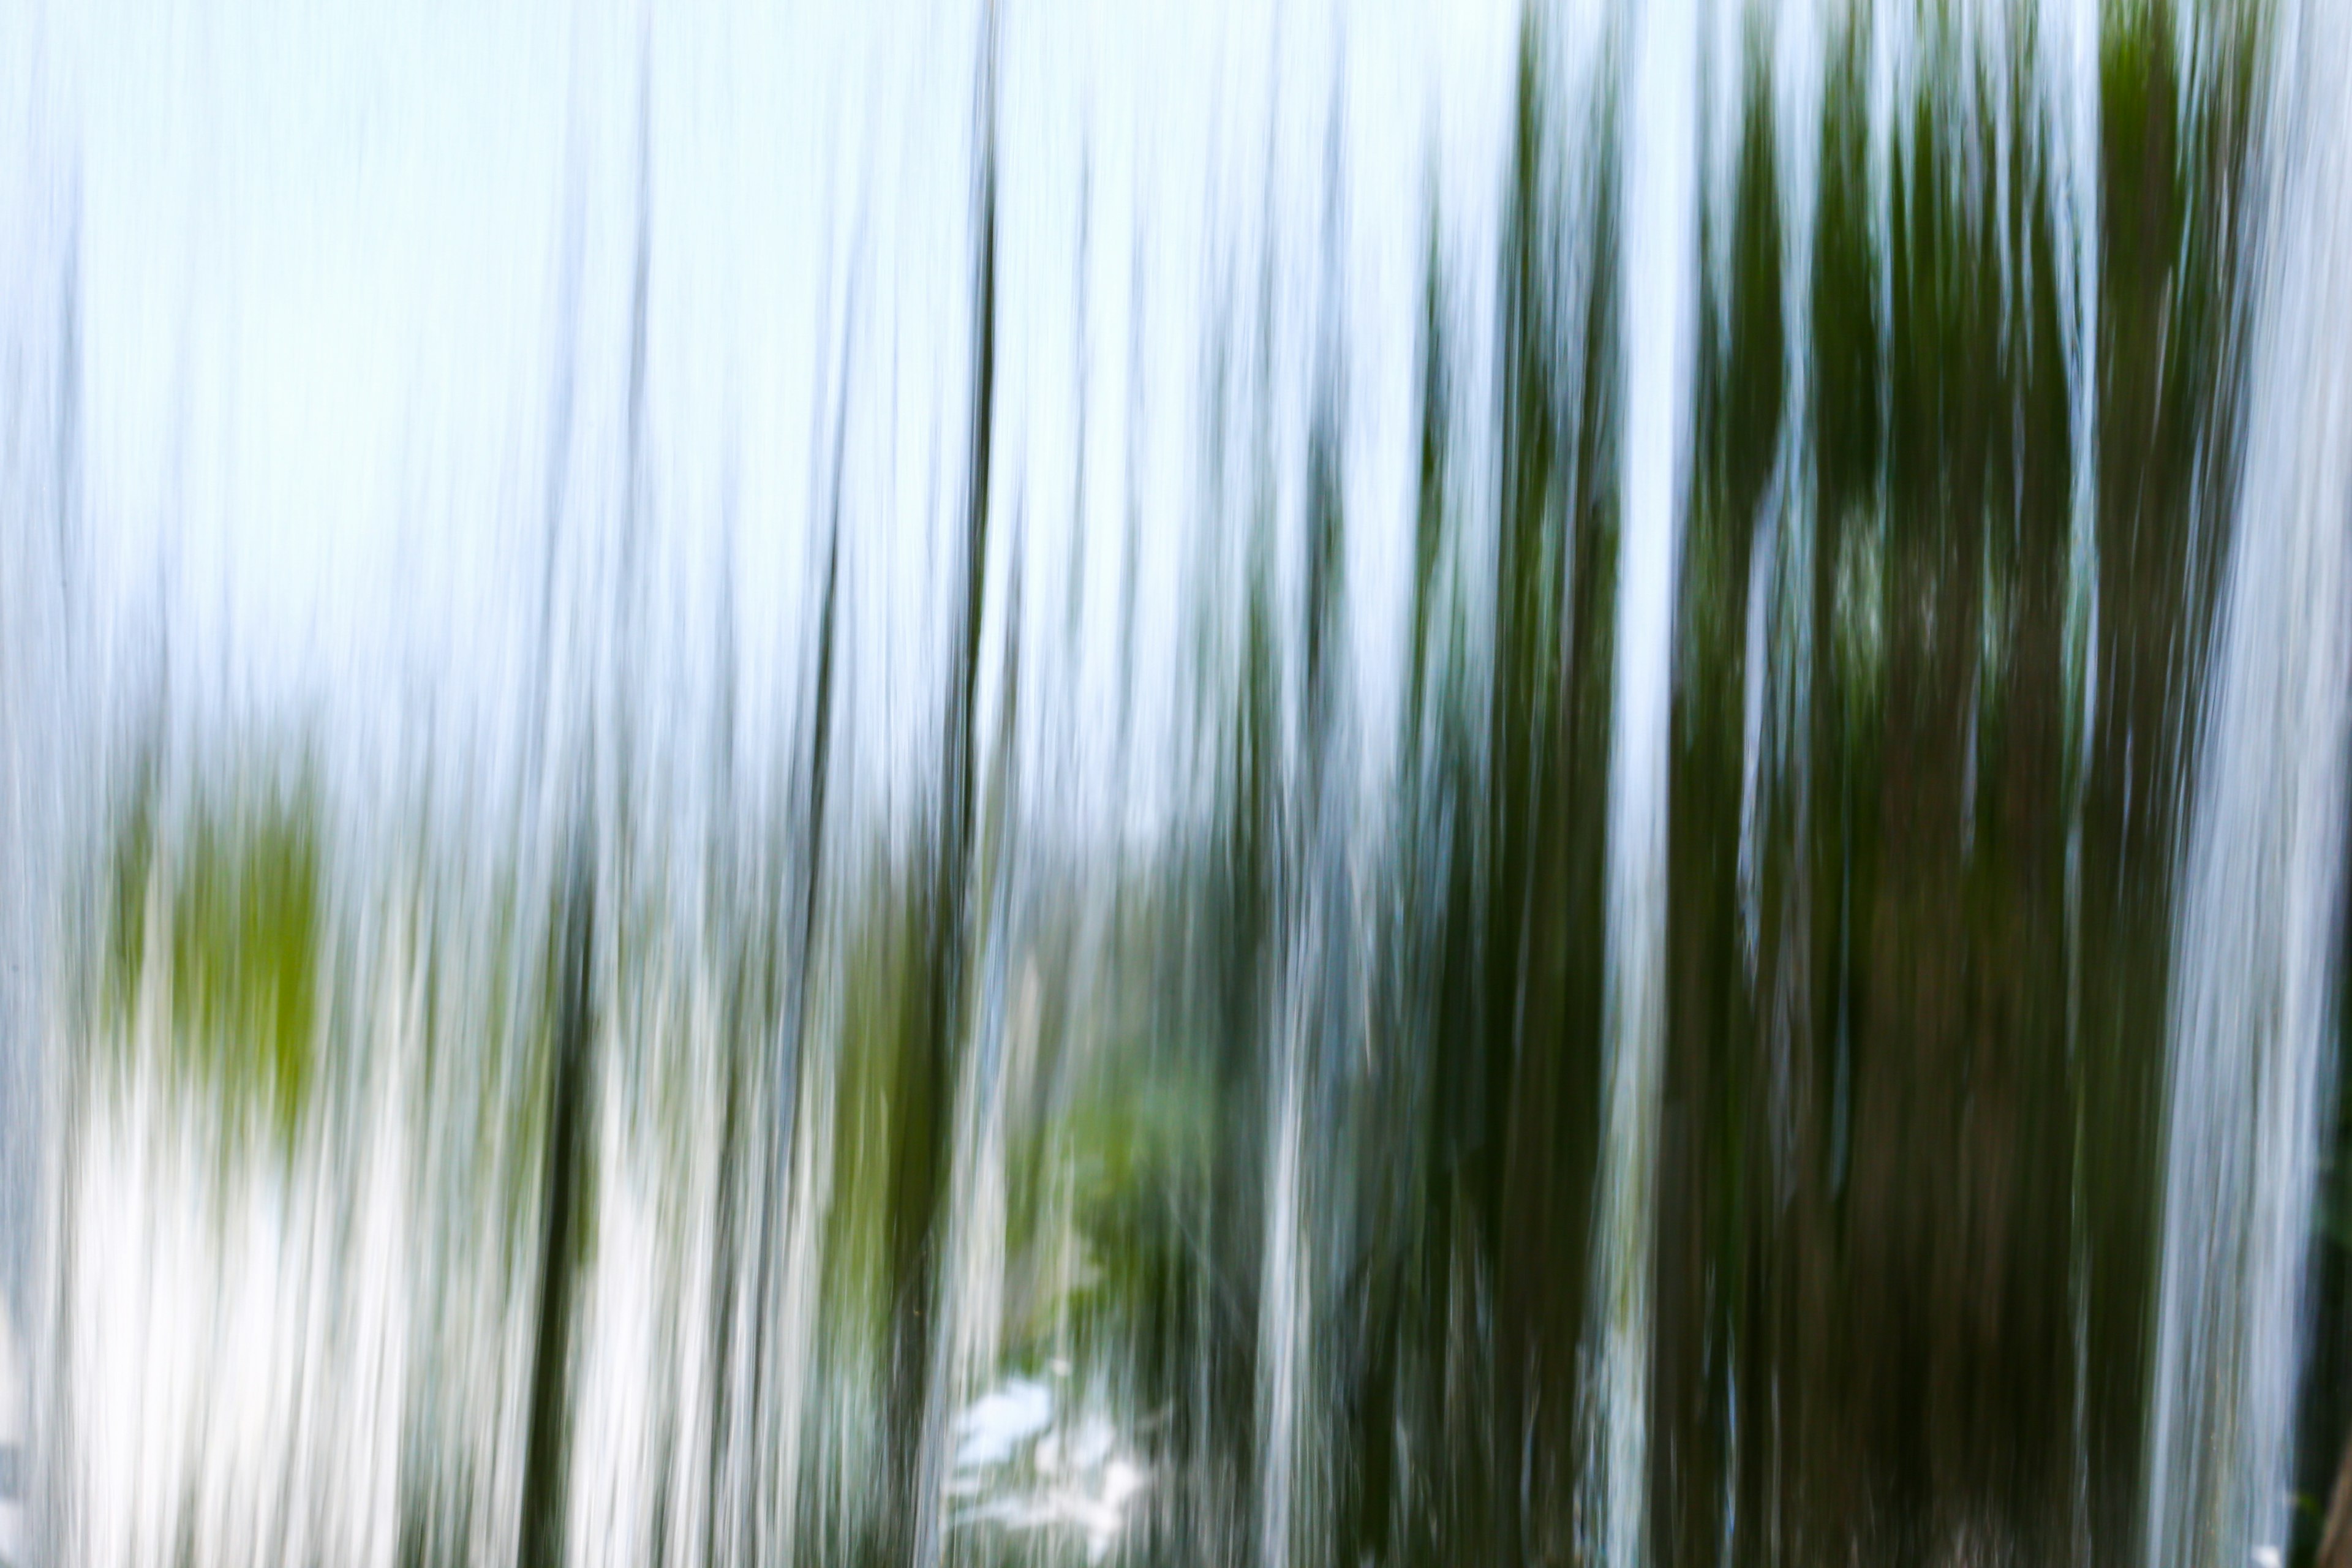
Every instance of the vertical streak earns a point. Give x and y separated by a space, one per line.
2068 70
2258 904
1657 289
921 1415
541 1544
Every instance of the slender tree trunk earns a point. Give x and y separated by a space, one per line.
546 1452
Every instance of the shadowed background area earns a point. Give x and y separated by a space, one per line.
1017 781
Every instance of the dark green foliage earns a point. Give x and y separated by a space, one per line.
1908 1217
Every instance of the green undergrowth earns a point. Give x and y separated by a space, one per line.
223 909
